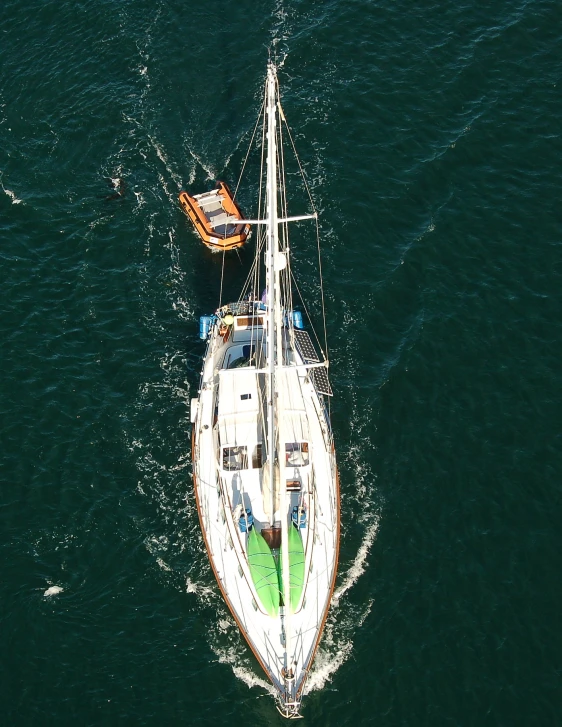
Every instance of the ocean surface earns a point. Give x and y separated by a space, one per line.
430 134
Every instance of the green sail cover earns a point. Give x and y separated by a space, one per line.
296 566
264 572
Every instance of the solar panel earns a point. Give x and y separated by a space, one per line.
306 347
321 382
319 376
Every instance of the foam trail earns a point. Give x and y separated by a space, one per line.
11 195
167 192
325 665
231 657
246 134
357 568
164 159
117 179
211 173
334 652
337 644
250 679
15 200
192 174
205 593
280 32
184 309
53 591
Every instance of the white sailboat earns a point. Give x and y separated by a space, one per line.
264 465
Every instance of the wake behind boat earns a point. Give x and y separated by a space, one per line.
264 465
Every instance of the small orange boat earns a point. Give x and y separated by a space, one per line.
216 217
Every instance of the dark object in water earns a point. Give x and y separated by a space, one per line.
118 186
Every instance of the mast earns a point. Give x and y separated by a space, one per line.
276 261
271 245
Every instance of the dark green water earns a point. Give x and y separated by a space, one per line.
431 137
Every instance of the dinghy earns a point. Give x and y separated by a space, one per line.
216 218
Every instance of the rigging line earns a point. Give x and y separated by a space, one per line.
284 208
254 269
261 204
259 238
249 148
247 283
298 160
317 229
222 277
321 285
260 234
308 316
252 272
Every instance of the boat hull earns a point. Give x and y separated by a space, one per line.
226 545
206 210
